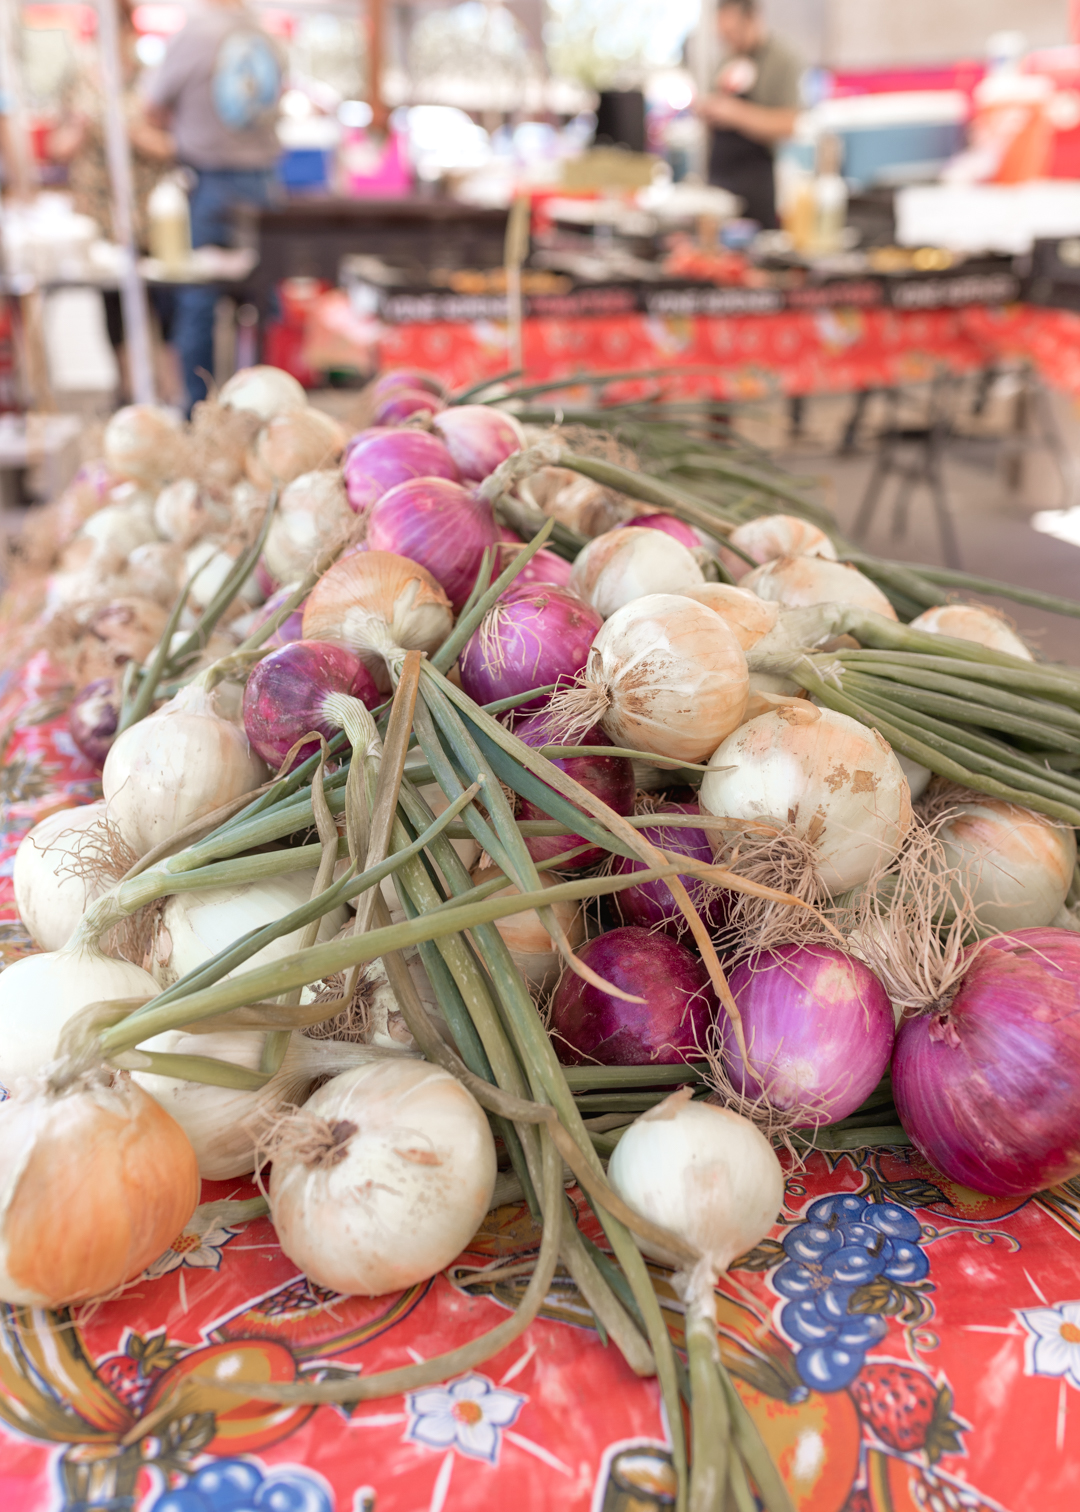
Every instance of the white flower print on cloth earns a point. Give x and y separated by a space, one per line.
1053 1344
199 1245
468 1415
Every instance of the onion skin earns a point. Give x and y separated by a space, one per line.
975 623
798 582
672 1023
438 524
988 1088
291 629
534 635
405 378
376 463
93 717
543 567
610 778
819 1026
651 905
107 1181
616 569
671 525
286 691
772 536
479 438
400 403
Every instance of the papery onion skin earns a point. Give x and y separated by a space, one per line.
988 1087
671 525
542 567
99 1182
408 1190
1013 865
609 778
746 616
627 564
438 524
376 463
973 622
92 719
50 894
263 391
479 438
772 536
799 582
819 1029
669 1027
535 953
286 692
652 905
532 636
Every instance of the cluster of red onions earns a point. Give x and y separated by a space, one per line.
378 460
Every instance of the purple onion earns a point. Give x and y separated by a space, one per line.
286 697
651 904
609 778
819 1027
92 719
363 436
405 378
542 567
671 525
672 1024
438 524
479 438
510 536
265 581
988 1085
400 403
378 463
290 629
533 635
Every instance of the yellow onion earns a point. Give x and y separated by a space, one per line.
379 604
973 623
772 536
312 514
96 1183
298 441
50 893
628 563
526 938
263 391
798 582
1014 865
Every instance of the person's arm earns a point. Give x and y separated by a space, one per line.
149 138
763 123
68 138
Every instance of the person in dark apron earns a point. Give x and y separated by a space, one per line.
752 109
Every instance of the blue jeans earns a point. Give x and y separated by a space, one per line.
216 191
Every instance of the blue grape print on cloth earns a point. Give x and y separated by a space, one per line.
843 1245
240 1485
247 79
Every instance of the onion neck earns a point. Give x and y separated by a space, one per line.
518 467
347 713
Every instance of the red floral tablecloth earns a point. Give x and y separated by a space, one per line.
747 357
905 1345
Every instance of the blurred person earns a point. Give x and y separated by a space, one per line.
752 109
217 90
78 142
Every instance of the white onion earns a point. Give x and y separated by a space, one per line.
125 629
224 1125
664 675
973 623
183 512
578 502
627 564
799 582
143 442
747 616
1015 865
312 514
828 779
772 536
195 926
50 894
213 563
264 391
298 441
158 569
119 528
175 766
403 1183
527 940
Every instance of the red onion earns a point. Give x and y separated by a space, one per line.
405 378
93 717
671 525
378 462
534 635
543 567
672 1023
610 778
819 1027
479 438
511 536
438 524
287 696
290 629
400 403
988 1084
651 904
266 583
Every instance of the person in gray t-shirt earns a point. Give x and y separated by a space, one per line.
217 91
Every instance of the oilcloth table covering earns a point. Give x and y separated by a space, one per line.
904 1344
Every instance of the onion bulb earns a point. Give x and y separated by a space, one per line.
157 570
533 635
213 562
478 438
92 717
747 616
183 512
380 605
298 441
312 514
627 564
97 1182
143 442
119 528
175 766
527 939
974 623
263 391
772 536
126 629
671 525
821 776
379 461
797 582
574 500
299 689
664 675
438 524
1013 865
50 894
388 1178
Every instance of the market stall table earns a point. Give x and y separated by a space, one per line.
961 1401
